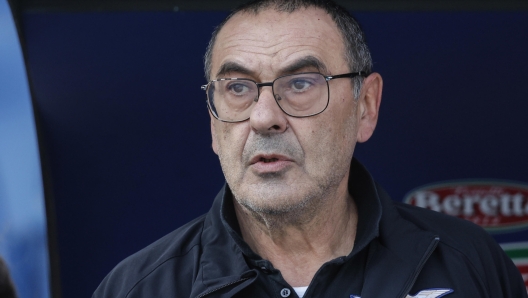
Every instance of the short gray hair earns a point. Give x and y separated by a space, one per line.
357 53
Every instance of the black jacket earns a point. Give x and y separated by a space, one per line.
405 250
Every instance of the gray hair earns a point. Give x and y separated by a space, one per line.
357 54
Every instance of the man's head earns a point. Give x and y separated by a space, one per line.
357 54
273 162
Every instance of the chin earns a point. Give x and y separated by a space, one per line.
273 200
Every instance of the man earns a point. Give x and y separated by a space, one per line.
290 94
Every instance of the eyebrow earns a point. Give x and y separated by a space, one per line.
297 65
231 66
305 62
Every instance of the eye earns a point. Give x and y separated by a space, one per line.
238 88
300 85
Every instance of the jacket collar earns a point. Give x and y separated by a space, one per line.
397 256
362 188
222 263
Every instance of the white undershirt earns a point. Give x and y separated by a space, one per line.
300 291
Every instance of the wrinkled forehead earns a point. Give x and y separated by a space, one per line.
269 42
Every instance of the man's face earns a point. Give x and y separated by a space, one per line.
275 163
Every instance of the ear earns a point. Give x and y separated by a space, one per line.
369 102
213 134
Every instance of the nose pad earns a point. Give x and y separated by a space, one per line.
277 97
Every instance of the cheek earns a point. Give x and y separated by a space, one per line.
317 140
335 134
230 138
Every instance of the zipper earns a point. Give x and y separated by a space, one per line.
428 252
223 286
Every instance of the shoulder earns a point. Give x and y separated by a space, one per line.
178 249
463 242
458 234
461 234
451 229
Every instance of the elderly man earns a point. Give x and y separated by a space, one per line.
290 94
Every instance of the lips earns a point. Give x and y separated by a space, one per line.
268 158
262 159
270 163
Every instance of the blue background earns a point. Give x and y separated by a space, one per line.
125 130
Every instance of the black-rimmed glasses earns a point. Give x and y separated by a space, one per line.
298 95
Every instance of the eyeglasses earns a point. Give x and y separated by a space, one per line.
298 95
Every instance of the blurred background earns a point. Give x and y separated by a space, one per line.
23 242
104 131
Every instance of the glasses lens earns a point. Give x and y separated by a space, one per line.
302 95
231 99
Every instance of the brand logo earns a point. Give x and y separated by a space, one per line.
494 205
429 293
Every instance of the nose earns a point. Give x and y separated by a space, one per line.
266 116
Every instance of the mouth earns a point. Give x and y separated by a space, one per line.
268 158
266 164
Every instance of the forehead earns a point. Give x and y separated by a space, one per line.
268 42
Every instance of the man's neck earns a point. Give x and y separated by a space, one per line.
299 248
